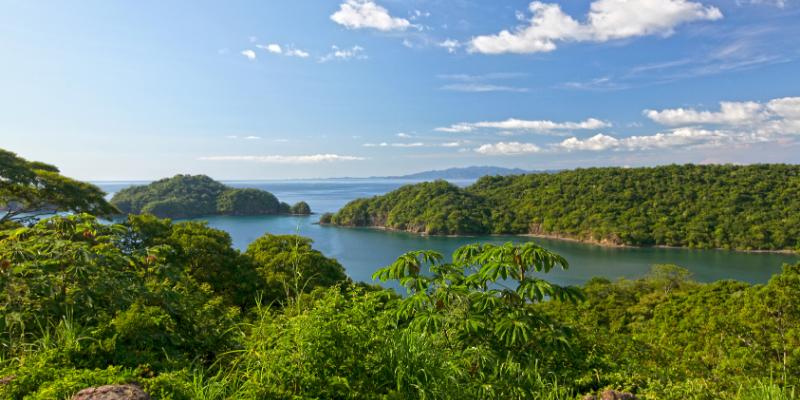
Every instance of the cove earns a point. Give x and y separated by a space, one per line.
362 250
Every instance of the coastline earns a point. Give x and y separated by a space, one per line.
564 238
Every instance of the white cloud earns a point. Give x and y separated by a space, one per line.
510 148
252 38
231 137
635 125
407 43
356 52
450 45
456 128
357 14
252 137
375 145
273 48
730 114
520 15
281 140
454 144
401 134
541 126
249 54
223 50
286 159
607 20
476 87
597 142
407 145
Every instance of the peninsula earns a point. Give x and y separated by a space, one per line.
755 207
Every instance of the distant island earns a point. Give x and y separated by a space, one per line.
192 196
473 172
753 207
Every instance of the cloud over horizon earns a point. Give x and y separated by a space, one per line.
539 126
286 159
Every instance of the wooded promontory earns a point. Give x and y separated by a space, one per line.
191 196
699 206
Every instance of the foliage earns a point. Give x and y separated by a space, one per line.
289 265
189 196
703 206
31 189
301 208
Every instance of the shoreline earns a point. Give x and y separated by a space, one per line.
564 238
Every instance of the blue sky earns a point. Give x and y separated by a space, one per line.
314 89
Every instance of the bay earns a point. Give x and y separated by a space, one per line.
362 250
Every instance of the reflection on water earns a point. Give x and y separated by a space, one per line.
362 251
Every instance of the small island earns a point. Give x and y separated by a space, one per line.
193 196
752 207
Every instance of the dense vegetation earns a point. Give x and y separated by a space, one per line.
190 196
172 307
703 206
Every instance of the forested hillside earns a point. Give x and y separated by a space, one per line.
703 206
174 309
189 196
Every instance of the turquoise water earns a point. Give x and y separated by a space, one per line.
362 251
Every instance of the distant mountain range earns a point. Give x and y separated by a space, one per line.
463 173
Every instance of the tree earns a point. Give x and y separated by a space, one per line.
29 190
301 208
290 266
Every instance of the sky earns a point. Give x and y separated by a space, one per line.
112 90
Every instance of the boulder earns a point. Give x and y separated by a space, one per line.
112 392
612 395
615 395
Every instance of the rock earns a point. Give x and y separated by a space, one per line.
112 392
615 395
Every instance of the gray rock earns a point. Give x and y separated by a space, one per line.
112 392
615 395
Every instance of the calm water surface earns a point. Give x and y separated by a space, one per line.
362 251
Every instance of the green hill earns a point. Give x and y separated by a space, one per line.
705 206
191 196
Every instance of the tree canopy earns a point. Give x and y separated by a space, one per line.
190 196
31 189
704 206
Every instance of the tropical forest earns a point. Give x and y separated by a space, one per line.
754 207
173 309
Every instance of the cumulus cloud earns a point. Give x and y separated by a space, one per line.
273 48
252 137
286 159
296 52
357 14
731 113
249 54
744 123
401 134
355 52
511 148
540 126
607 20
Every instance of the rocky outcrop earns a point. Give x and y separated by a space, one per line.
112 392
612 395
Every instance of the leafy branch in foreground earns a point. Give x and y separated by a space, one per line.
31 189
493 288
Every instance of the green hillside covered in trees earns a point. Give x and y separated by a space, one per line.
700 206
174 309
190 196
